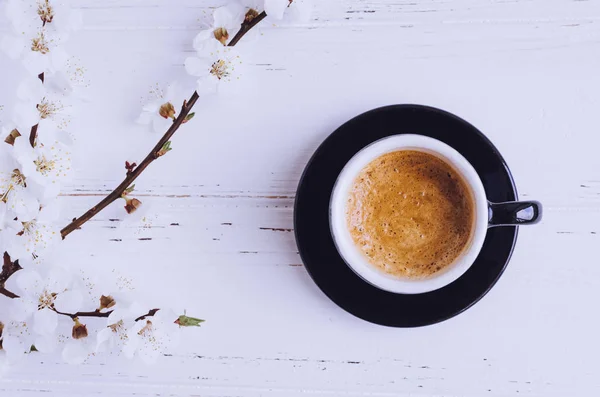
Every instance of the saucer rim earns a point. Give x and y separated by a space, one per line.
510 189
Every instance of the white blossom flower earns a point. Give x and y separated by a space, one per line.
150 337
213 65
114 335
44 166
38 234
37 105
17 340
71 82
9 229
13 187
298 10
77 351
39 50
80 345
42 297
162 107
226 21
39 30
56 15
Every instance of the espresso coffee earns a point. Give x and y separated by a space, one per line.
410 214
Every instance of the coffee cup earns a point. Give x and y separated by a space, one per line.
485 214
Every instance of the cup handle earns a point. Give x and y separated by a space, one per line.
514 213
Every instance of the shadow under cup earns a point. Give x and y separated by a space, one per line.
485 214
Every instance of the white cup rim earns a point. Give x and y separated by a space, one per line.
356 260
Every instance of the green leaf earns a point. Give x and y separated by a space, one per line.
129 189
189 117
185 321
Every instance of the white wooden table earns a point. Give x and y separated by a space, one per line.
525 72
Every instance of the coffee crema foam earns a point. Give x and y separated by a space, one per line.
410 213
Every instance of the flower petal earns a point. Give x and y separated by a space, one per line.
14 347
104 339
69 301
301 11
21 309
160 125
49 212
58 279
25 206
131 346
25 116
30 283
276 8
31 89
45 321
35 62
58 58
74 352
46 343
201 39
144 118
3 211
207 85
228 16
13 46
198 66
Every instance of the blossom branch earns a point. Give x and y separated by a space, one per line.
95 313
134 171
8 269
98 313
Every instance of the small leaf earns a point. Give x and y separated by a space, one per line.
129 190
188 117
165 148
185 321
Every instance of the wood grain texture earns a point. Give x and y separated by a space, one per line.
524 72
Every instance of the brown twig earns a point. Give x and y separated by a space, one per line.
132 176
8 269
98 313
95 313
149 314
34 129
246 26
133 173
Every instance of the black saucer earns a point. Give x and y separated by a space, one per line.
328 269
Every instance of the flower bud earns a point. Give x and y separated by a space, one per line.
167 111
250 15
166 148
106 302
79 330
132 204
12 136
185 321
222 35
